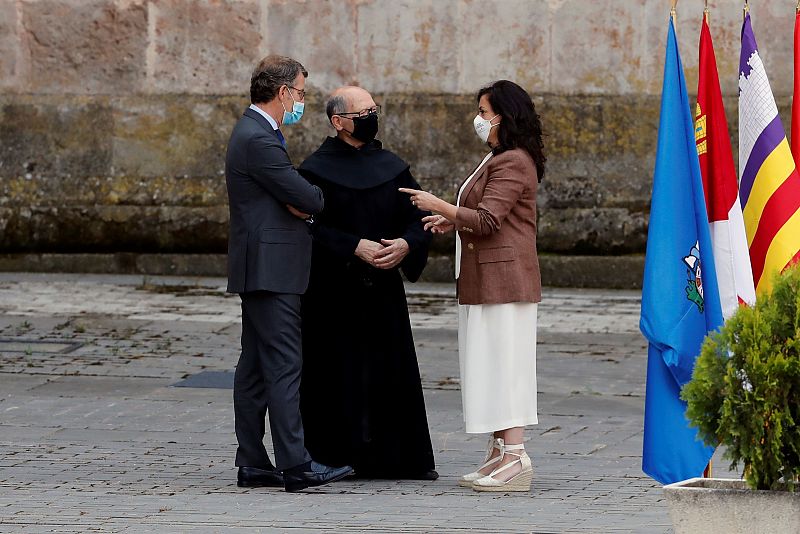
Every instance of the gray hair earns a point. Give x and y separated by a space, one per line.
336 104
271 74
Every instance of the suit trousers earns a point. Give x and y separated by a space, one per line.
267 381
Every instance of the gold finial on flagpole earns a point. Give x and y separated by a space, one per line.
797 9
672 13
746 9
705 10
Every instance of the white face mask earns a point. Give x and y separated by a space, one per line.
483 126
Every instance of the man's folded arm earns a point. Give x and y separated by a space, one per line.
270 166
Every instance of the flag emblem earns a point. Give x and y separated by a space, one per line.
700 131
694 282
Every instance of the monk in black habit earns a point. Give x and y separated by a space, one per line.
361 394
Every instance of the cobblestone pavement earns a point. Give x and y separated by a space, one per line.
95 439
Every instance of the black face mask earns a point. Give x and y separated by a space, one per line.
365 128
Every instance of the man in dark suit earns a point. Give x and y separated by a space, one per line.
269 253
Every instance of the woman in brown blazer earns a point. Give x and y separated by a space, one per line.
497 273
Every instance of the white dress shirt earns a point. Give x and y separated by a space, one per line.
265 115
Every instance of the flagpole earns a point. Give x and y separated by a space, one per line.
795 126
747 9
707 470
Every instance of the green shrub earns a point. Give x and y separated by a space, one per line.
745 389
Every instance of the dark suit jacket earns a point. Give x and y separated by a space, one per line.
497 225
268 247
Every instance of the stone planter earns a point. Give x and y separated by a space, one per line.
712 505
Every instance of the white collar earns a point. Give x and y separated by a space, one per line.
265 115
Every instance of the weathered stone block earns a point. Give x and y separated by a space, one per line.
115 228
85 47
773 24
600 151
592 231
596 47
409 46
321 35
117 262
40 137
205 47
173 135
503 39
618 272
60 191
10 57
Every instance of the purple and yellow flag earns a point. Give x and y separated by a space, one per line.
769 185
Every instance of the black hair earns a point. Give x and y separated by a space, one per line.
521 126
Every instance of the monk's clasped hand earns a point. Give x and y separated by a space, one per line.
393 253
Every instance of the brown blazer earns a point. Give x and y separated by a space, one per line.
496 221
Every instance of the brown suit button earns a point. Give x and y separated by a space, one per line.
470 246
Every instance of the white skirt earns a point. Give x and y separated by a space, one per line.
497 356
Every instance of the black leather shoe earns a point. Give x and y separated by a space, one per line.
427 475
253 477
314 475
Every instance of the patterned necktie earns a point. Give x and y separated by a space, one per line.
282 139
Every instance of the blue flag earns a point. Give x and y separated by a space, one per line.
680 298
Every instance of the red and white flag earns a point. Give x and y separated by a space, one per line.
720 185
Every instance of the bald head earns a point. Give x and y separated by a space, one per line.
348 99
348 104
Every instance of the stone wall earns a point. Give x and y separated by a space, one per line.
114 114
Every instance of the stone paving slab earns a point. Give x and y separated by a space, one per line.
97 440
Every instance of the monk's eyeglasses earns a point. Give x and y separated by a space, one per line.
363 113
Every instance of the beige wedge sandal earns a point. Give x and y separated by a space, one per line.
519 482
494 443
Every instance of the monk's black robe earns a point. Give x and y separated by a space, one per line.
361 395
